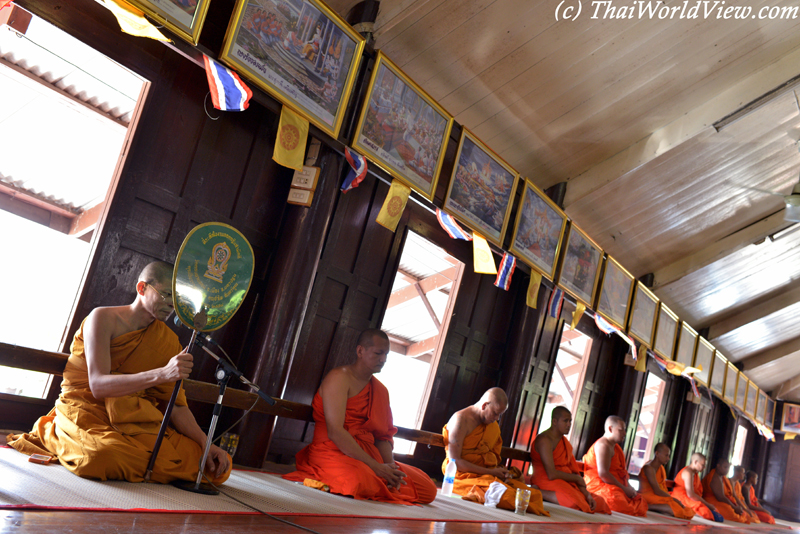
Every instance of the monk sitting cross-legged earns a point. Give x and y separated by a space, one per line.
689 489
749 492
352 447
718 491
736 481
555 470
472 439
652 486
605 471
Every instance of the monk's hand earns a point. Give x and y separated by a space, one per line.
629 491
589 499
499 472
391 474
738 509
179 366
217 462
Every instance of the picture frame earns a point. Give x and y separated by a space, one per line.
538 231
741 392
307 58
761 407
579 267
769 415
790 418
615 292
752 399
731 376
703 356
481 180
184 21
643 316
411 152
666 332
687 342
716 382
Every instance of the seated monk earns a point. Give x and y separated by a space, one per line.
718 491
652 486
351 451
605 473
736 481
555 471
689 490
749 492
472 439
122 368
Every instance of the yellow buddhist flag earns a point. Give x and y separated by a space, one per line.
789 435
394 205
290 146
641 361
132 21
533 289
577 314
482 255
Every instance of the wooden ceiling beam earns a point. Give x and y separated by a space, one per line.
754 313
787 387
770 356
431 283
422 347
682 129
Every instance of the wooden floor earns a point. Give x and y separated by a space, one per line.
130 522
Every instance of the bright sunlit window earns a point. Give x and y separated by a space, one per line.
738 448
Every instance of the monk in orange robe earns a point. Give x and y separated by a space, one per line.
472 439
749 492
122 368
555 471
689 489
352 447
605 471
652 486
736 481
718 491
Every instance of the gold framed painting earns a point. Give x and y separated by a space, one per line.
614 295
790 419
687 341
184 18
731 376
761 406
666 332
741 391
769 415
300 52
644 312
481 189
716 382
403 129
703 360
538 231
579 269
752 399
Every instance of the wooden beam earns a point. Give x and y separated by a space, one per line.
37 200
424 298
86 221
422 347
754 313
770 355
32 359
724 247
787 387
431 283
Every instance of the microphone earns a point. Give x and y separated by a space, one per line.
200 335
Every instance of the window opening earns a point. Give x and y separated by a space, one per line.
647 424
738 448
416 320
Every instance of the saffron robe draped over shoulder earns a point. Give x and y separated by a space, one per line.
650 496
737 490
614 496
113 438
765 517
368 418
725 509
482 447
567 493
679 492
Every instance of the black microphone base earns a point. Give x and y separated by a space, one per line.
204 489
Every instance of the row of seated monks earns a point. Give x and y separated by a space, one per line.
125 361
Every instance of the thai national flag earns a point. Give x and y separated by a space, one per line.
603 325
556 302
228 91
451 226
358 169
507 265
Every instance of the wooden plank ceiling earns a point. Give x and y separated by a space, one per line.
623 111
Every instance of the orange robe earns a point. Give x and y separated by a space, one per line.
614 496
765 517
737 490
567 493
650 496
113 438
679 492
368 418
482 447
725 509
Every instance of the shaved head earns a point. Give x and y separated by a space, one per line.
696 457
662 447
614 420
559 412
496 397
157 272
367 338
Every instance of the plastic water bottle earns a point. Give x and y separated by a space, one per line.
449 478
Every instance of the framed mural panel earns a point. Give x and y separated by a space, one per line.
184 18
703 358
481 189
402 128
644 312
717 381
615 290
741 392
769 415
538 231
687 341
752 399
731 376
298 51
666 332
761 406
790 419
580 266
